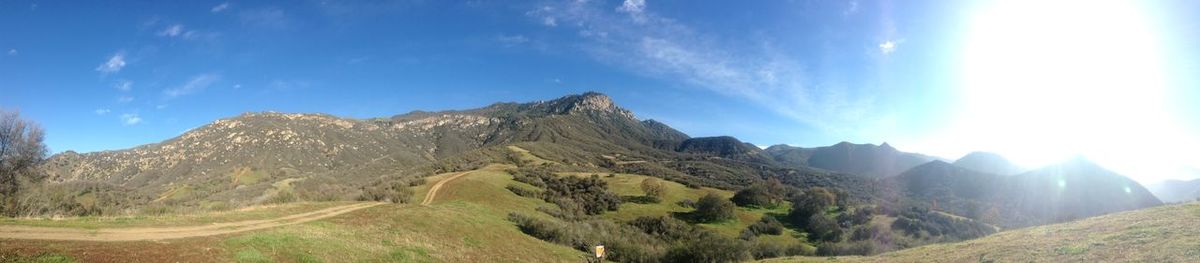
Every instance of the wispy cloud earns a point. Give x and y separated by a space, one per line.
220 7
130 119
124 99
171 31
635 9
638 39
101 111
123 85
114 64
195 84
269 18
12 52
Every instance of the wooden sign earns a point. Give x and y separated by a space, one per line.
599 251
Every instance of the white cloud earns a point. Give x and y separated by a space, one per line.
114 63
549 21
887 47
635 8
195 84
102 111
171 31
124 99
130 119
12 52
160 106
220 7
123 85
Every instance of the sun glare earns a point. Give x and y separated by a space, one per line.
1047 80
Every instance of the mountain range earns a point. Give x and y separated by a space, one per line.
258 157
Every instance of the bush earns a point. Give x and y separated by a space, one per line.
710 247
754 196
664 227
625 243
713 208
767 225
686 203
654 188
521 191
821 228
812 202
395 192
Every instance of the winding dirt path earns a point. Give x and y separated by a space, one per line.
438 186
161 233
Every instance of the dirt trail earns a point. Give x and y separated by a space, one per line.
161 233
438 186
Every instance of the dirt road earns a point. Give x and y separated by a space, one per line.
161 233
438 186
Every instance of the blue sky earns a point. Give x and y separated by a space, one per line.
102 76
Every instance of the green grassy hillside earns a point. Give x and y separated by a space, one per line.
1160 234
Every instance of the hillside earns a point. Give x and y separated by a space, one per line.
988 163
237 161
1176 190
1057 193
858 159
1159 234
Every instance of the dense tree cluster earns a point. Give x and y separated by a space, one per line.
921 222
576 196
768 225
645 239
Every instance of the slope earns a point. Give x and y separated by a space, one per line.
1159 234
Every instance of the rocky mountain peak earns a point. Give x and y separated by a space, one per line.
586 102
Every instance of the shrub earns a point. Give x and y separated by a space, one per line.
812 202
686 203
521 191
625 243
821 228
654 188
767 225
712 208
590 194
395 192
664 227
754 196
710 247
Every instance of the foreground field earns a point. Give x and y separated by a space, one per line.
465 222
1161 234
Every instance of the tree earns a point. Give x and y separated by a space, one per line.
813 201
756 196
21 150
654 188
712 208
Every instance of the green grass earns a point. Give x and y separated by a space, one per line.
527 156
467 223
38 258
252 213
1160 234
